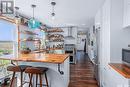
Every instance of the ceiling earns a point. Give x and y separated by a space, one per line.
68 12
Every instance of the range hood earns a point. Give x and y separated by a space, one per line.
69 33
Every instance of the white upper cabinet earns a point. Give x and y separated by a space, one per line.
126 14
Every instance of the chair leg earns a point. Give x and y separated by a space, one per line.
46 80
30 78
30 83
40 80
11 83
36 79
21 79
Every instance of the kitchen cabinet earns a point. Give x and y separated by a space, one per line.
106 77
126 17
112 78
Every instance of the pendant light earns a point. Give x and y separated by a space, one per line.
16 15
53 3
16 12
32 23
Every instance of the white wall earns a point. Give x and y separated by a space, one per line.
119 36
74 34
113 36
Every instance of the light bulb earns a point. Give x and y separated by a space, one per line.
53 17
33 22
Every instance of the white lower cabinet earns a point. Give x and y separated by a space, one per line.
112 78
106 77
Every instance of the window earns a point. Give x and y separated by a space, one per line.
6 47
7 37
7 7
7 44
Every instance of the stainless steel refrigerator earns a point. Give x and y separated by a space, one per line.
96 54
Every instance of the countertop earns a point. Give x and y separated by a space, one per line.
37 57
123 69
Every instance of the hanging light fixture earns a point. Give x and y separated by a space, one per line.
16 12
53 3
16 17
32 23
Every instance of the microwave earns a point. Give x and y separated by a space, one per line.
126 56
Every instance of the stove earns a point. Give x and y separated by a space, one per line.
70 49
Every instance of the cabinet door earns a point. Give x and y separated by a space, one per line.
116 79
126 13
112 78
107 77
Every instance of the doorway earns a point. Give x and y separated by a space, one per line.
82 41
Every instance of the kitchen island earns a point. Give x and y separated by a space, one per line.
58 64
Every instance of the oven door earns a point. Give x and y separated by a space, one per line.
71 55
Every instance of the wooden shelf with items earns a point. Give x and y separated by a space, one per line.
55 39
8 19
29 40
54 30
55 36
28 32
55 48
39 51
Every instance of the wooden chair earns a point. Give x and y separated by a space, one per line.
14 69
38 71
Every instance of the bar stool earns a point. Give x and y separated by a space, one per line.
19 68
37 71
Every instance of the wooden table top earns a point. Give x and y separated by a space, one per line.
38 57
123 69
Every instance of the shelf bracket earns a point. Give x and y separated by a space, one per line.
61 72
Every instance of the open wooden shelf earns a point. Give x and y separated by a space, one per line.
28 32
55 49
54 30
56 41
29 40
8 19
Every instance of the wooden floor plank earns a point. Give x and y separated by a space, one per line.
82 73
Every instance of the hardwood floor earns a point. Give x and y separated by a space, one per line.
82 74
